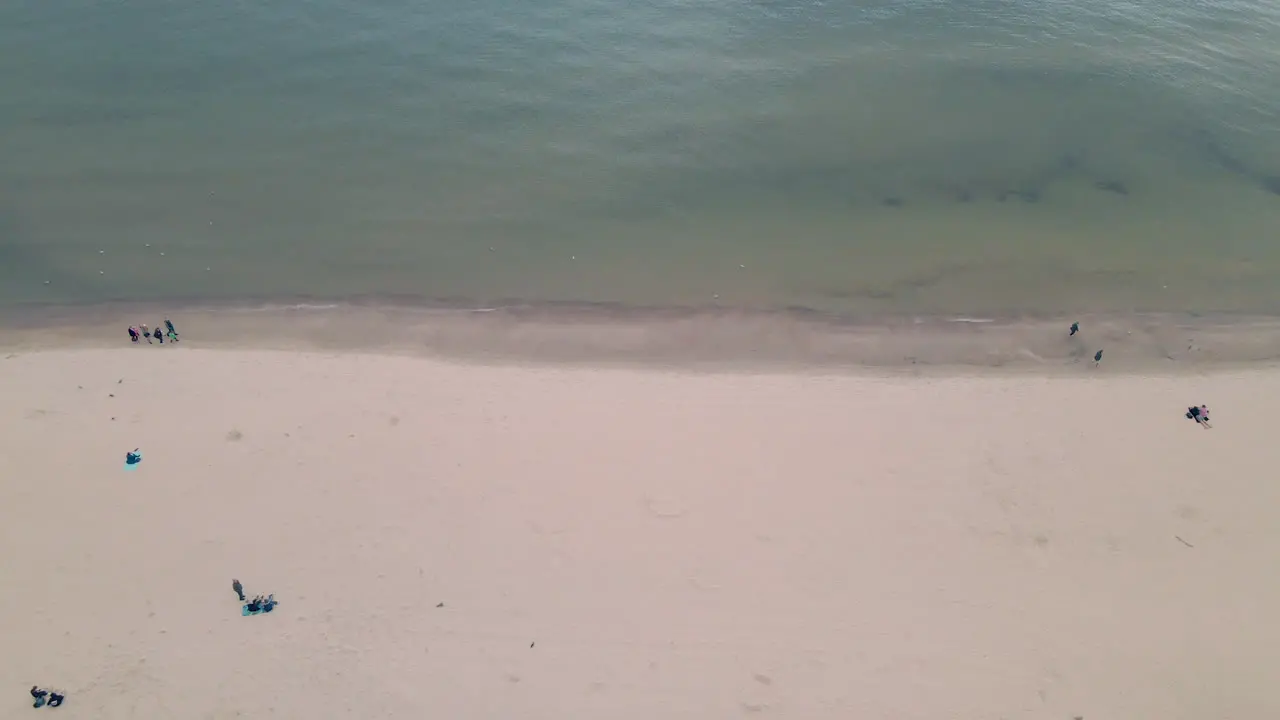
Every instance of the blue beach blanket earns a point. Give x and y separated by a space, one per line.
132 461
244 609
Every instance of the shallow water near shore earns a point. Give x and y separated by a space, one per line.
888 159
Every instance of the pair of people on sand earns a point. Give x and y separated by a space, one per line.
53 698
1200 415
262 604
259 603
138 332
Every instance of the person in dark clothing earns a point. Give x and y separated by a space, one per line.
159 337
1075 328
55 699
173 334
38 694
269 604
238 588
1200 415
255 605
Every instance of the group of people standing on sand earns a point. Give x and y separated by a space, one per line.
138 332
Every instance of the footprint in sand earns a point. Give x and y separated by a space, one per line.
666 508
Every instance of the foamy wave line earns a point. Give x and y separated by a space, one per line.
296 306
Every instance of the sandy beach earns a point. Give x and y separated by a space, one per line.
459 539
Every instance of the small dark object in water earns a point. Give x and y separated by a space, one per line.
531 644
1075 328
1069 161
1027 196
1112 186
892 202
238 588
1097 357
1271 183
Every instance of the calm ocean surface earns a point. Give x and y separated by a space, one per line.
871 157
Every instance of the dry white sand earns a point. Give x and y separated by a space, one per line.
631 544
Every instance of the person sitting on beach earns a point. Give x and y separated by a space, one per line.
55 699
269 604
132 458
1199 414
38 694
133 334
255 604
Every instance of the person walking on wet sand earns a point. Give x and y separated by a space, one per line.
235 585
146 334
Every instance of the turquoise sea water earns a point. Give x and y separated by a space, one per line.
965 157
